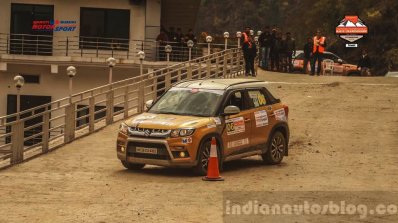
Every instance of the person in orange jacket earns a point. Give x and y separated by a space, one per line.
319 44
249 52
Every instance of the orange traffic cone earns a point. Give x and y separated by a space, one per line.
213 174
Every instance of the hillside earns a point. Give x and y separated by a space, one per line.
303 17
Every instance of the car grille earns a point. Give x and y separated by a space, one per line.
162 153
149 133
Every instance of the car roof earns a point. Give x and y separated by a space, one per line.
221 84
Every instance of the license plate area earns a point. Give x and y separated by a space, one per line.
146 150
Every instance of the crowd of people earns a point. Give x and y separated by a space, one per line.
275 50
174 37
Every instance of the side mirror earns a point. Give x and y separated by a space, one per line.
231 110
340 61
148 104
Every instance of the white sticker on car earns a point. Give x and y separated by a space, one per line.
280 114
261 118
217 120
211 126
237 143
235 125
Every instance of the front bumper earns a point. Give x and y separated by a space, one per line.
164 157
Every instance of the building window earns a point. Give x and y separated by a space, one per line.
31 78
23 38
106 29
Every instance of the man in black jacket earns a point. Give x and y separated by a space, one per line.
364 64
265 46
307 54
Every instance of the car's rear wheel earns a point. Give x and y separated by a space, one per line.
132 166
203 158
276 149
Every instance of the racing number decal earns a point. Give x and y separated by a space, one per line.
235 125
230 127
261 99
258 98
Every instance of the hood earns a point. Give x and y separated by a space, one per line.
167 121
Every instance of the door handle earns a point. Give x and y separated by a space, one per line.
247 120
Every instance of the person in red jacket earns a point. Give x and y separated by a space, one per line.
249 52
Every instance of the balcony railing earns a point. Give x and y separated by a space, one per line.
64 120
98 47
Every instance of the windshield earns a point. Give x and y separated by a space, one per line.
188 101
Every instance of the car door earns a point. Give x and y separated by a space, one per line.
236 135
261 110
337 67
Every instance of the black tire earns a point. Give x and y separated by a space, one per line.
203 157
354 74
276 149
132 166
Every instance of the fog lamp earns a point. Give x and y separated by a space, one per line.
182 154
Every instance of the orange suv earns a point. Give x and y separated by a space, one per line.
243 116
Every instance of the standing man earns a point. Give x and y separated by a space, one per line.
307 54
290 45
319 44
364 64
248 48
265 47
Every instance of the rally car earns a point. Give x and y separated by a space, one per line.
243 116
340 67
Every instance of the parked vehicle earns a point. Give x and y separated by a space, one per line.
340 67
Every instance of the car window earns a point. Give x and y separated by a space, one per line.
299 56
330 56
257 98
236 99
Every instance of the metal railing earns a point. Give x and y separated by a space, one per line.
64 120
98 47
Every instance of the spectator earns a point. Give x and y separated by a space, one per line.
265 47
319 44
179 45
307 54
364 64
190 36
277 49
172 35
162 40
274 54
249 52
290 47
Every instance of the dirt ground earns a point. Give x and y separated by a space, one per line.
344 137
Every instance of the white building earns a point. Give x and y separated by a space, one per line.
40 38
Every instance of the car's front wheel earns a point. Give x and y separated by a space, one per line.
276 149
203 158
132 166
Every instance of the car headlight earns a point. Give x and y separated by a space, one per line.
181 132
123 128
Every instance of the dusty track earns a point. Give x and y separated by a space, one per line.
343 137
